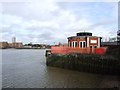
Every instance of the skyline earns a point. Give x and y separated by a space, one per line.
52 21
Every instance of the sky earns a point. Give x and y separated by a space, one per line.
53 21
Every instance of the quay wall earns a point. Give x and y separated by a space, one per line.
94 63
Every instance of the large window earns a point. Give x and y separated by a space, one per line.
82 44
74 44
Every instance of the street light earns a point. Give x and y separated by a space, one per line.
118 37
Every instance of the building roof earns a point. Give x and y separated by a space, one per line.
84 32
81 36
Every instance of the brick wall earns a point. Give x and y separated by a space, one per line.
67 50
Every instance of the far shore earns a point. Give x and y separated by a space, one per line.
24 48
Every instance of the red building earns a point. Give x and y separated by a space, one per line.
83 42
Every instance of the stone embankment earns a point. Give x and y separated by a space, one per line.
104 64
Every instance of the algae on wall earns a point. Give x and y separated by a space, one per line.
105 64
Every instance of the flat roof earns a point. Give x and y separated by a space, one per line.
81 36
84 32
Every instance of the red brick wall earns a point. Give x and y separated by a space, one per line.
77 39
101 50
67 50
59 49
79 50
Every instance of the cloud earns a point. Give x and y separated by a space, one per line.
40 10
102 23
49 21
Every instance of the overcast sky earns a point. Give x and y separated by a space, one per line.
52 21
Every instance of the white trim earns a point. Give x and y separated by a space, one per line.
87 41
93 41
98 43
68 44
72 44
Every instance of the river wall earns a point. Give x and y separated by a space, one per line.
103 64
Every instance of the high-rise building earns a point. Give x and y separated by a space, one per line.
13 39
13 42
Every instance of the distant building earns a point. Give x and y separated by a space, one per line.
3 45
108 43
18 45
13 39
113 39
10 45
15 44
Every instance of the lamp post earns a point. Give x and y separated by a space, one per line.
118 42
118 37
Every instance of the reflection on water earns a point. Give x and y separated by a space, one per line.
27 69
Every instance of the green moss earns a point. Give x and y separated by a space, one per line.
85 62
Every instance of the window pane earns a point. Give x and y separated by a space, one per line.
95 46
75 44
83 44
80 44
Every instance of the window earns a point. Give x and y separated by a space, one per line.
90 46
72 44
75 44
84 44
93 41
95 46
81 44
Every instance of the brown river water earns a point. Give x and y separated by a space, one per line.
25 68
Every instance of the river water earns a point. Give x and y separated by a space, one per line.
26 68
